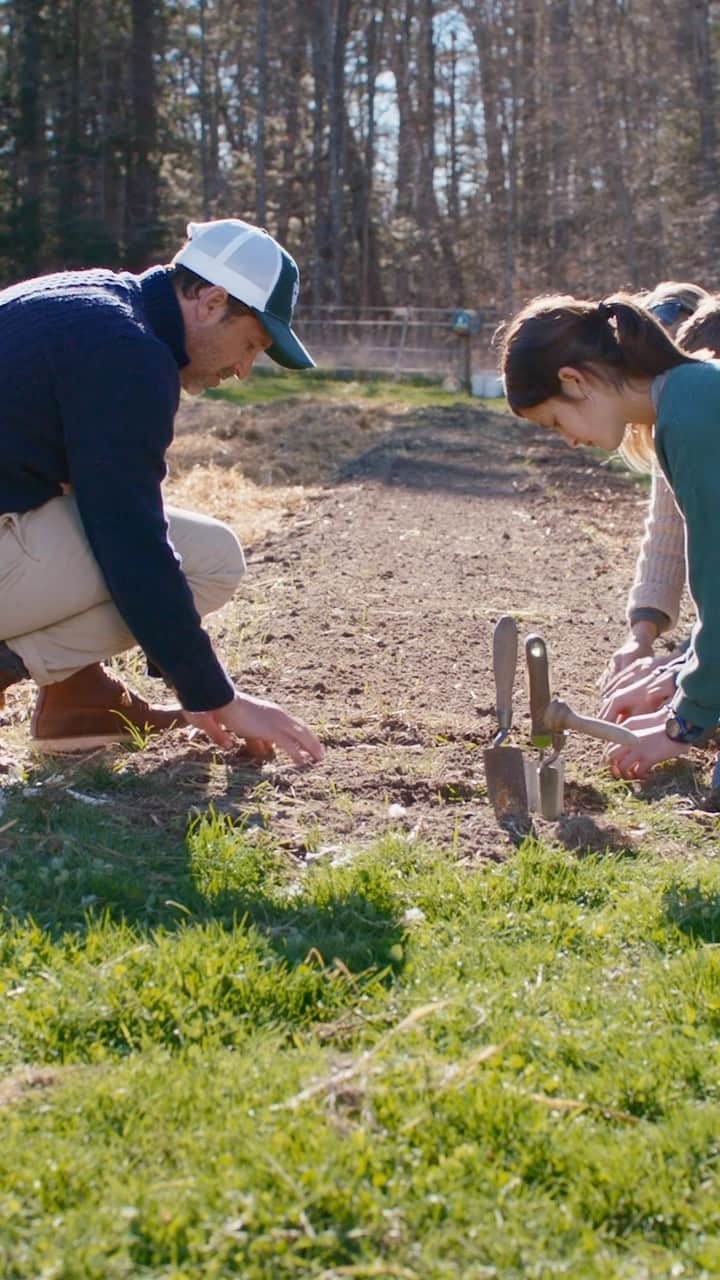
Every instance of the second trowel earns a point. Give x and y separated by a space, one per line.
504 768
545 780
550 719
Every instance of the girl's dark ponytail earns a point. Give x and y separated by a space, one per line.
646 347
614 339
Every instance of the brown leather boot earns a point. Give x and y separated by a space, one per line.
92 708
12 670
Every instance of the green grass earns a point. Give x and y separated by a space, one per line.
396 1066
267 384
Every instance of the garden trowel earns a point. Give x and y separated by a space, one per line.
544 778
550 718
504 769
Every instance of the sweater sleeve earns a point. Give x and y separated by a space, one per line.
117 416
660 569
688 445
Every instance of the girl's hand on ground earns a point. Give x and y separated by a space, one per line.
629 675
653 748
645 695
261 724
639 644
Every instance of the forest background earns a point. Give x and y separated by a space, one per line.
408 152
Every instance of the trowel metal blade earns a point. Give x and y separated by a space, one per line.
505 778
545 785
532 784
551 779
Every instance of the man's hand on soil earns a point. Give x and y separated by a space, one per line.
261 724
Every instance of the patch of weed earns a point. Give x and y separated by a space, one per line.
265 384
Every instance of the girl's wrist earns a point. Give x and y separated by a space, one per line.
646 613
645 631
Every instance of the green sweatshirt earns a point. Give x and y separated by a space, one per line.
687 442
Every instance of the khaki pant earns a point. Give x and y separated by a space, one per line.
55 609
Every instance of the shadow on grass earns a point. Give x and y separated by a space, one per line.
70 856
673 778
584 835
517 827
694 910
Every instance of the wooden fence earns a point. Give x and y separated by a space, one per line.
397 340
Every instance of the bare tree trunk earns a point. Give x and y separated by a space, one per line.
401 44
613 123
142 181
292 115
558 143
208 122
373 36
453 197
320 35
336 152
260 214
482 20
26 193
702 78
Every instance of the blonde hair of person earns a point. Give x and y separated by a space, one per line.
688 296
699 335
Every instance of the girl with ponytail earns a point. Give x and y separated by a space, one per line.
607 374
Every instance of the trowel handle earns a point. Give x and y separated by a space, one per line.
559 716
539 687
505 643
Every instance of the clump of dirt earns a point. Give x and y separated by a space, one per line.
15 1086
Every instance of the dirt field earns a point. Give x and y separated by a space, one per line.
383 543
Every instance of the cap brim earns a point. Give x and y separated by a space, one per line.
286 350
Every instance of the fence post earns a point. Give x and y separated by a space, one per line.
401 345
465 324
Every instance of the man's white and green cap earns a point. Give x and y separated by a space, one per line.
252 267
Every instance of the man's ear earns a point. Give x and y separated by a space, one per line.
572 382
211 303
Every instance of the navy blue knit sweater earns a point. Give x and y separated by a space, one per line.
89 388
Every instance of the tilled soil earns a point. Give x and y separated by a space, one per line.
370 614
380 606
